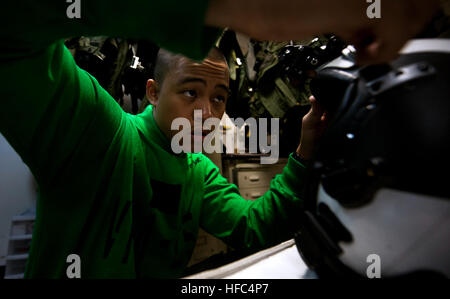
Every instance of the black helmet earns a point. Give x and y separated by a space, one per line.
378 183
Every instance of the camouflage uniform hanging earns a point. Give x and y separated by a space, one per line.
267 92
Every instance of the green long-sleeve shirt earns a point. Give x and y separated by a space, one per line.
111 191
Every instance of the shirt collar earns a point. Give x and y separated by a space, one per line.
154 132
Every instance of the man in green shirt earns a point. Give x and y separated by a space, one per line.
111 190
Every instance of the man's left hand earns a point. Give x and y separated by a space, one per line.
313 126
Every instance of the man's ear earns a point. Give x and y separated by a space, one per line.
152 91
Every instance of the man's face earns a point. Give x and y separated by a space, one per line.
190 86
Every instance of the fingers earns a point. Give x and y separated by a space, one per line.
378 52
316 108
373 48
380 41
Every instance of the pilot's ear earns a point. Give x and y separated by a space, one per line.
152 91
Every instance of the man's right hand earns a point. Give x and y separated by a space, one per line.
377 40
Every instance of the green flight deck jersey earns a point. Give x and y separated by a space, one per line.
110 189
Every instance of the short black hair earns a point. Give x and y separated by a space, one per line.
166 60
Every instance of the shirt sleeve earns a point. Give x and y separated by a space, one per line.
254 225
54 113
177 26
51 110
